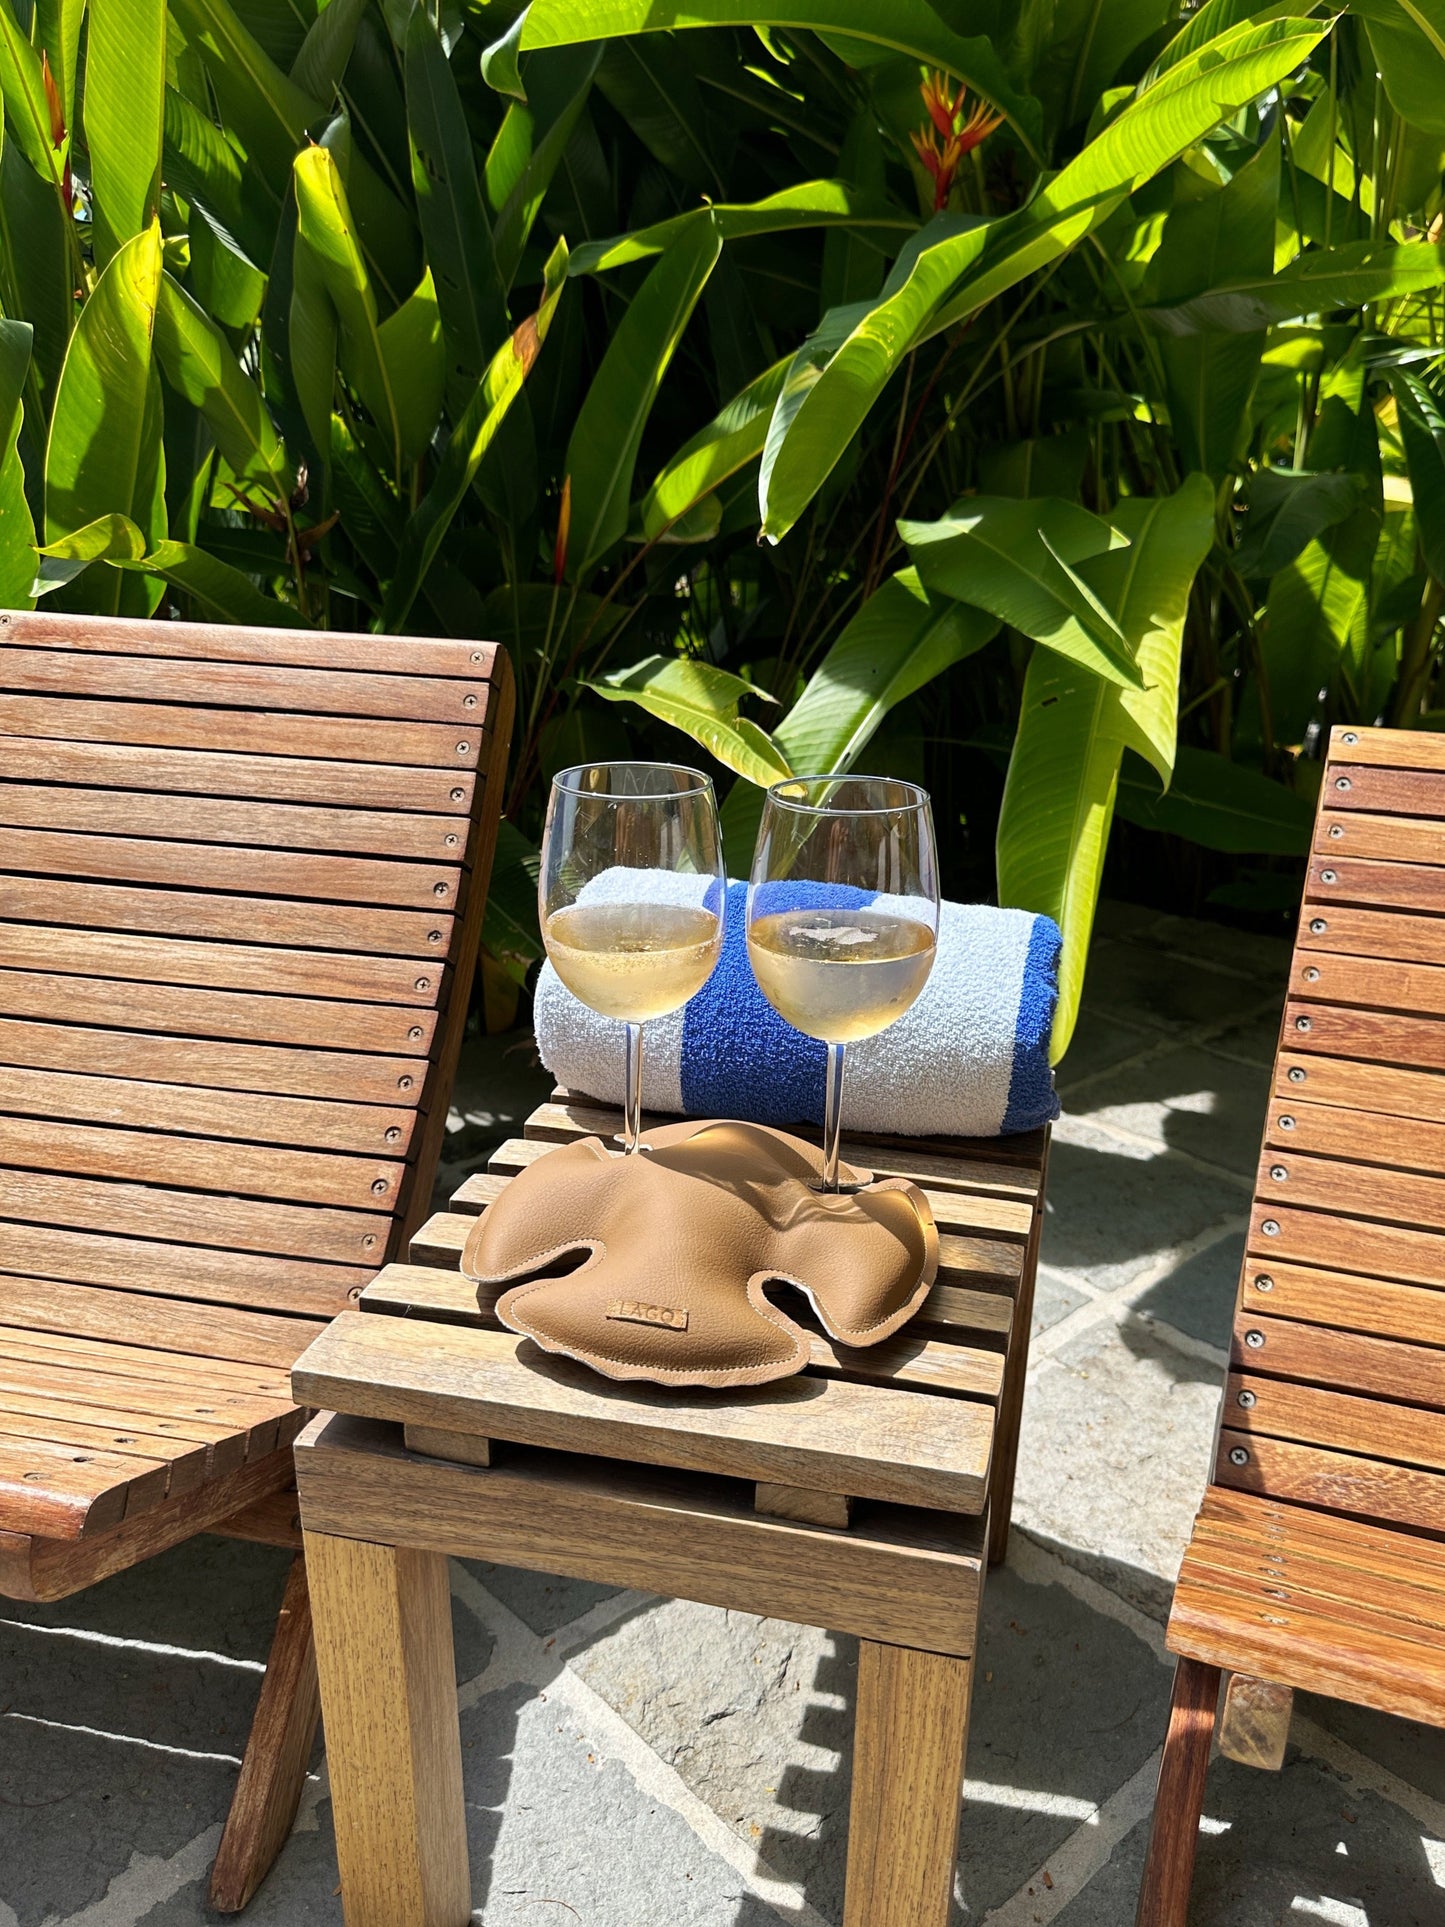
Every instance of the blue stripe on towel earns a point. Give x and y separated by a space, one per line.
729 1027
1031 1098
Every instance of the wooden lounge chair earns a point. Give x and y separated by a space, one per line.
242 876
1318 1558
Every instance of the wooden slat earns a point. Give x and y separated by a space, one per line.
225 966
220 866
332 784
869 1442
188 1463
165 1324
215 1393
271 686
1346 1244
909 1359
215 1275
236 1224
1375 984
902 1575
1384 1037
207 1062
179 1010
1398 886
200 913
225 642
369 1129
63 1491
1360 1190
1391 839
1389 792
1339 1481
202 1164
441 1239
1361 1087
169 726
1353 1360
1005 1167
1348 1304
1373 1427
1273 1525
952 1211
1388 748
1346 930
196 819
1368 1137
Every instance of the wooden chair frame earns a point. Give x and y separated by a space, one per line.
205 833
1317 1560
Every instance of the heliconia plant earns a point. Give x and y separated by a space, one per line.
1043 399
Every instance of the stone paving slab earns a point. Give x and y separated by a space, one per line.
640 1763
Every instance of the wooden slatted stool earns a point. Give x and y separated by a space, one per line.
1318 1558
242 876
864 1495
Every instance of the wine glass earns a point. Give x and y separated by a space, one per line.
843 914
631 895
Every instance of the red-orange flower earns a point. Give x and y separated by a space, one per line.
942 146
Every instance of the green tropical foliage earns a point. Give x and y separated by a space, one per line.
1042 398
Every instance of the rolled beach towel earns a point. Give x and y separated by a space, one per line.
969 1059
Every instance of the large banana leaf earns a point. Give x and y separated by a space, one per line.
105 454
328 257
530 145
22 89
1058 805
1219 804
1210 379
57 30
1316 618
728 443
898 641
125 82
602 452
862 30
415 358
200 364
1146 589
323 55
218 592
471 438
1017 560
1317 283
1422 429
702 700
811 204
1407 38
958 265
17 529
453 217
204 167
267 108
1287 509
35 260
1074 727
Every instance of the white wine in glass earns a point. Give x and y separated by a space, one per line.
843 914
631 896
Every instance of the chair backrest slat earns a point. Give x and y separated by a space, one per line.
242 874
1336 1394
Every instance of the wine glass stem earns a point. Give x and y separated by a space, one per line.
832 1116
632 1117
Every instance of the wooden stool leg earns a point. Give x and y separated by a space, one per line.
1174 1835
908 1751
393 1744
1011 1401
273 1772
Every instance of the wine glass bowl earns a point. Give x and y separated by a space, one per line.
842 916
630 895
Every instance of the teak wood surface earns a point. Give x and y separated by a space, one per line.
1317 1560
867 1495
242 876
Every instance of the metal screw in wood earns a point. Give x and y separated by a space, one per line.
1318 926
1254 1340
1264 1282
1286 1123
1238 1455
1296 1075
1248 1400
